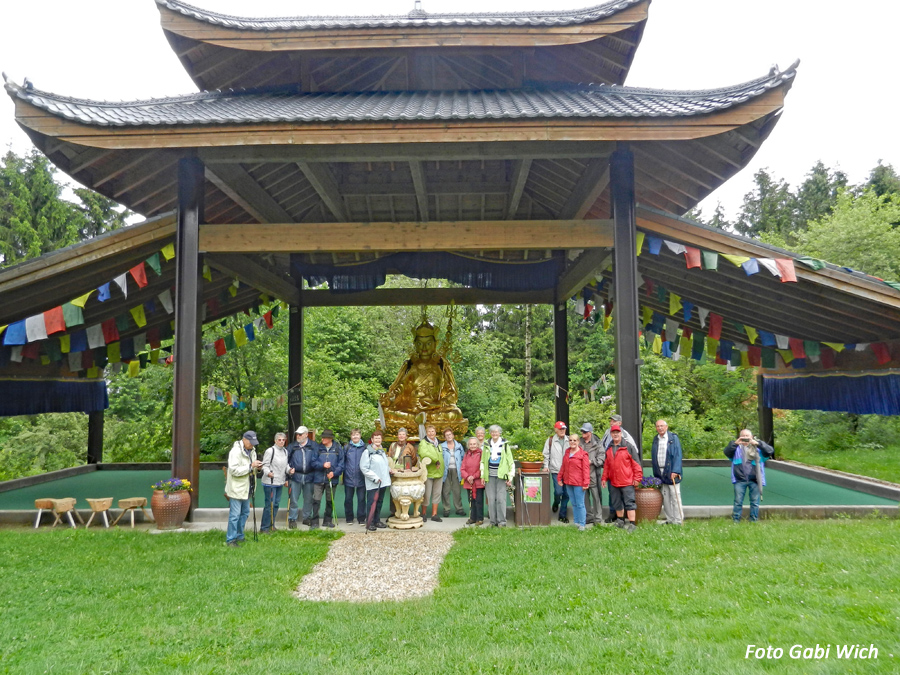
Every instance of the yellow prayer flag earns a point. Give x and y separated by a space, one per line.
240 337
639 238
657 345
836 346
607 320
93 372
787 355
134 368
45 360
751 334
114 352
712 347
736 260
646 315
685 346
64 343
139 317
168 251
207 273
154 355
264 299
674 303
3 328
82 300
232 291
745 360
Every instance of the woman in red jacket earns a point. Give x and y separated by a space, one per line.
575 475
470 473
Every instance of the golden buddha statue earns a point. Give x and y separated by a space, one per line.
424 389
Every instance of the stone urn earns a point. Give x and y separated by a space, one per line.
170 508
408 489
649 504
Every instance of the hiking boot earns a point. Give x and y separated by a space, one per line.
292 524
630 527
581 528
233 544
380 525
479 523
328 523
555 507
446 514
563 519
306 521
620 523
470 522
371 528
361 521
459 513
424 519
314 524
350 521
436 519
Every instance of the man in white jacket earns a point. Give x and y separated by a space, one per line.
241 462
275 472
554 447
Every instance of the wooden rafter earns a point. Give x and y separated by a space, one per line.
234 181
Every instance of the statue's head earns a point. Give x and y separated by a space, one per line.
425 340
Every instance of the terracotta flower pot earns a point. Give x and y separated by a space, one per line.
531 467
649 504
170 510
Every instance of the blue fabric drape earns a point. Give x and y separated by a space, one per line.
30 397
863 395
479 273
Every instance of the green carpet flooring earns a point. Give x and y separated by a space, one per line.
702 486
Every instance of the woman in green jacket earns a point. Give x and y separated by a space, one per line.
497 471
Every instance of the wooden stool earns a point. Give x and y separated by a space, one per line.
100 506
131 504
59 507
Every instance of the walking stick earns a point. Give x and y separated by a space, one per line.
331 491
287 517
371 519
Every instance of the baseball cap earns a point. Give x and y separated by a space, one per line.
560 425
301 430
251 436
587 426
616 418
615 427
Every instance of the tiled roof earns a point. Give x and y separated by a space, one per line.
259 106
416 18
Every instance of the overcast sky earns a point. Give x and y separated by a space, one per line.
842 108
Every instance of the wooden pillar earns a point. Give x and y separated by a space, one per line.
625 278
295 369
95 437
561 360
764 414
186 403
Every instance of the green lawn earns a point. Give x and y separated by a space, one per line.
550 600
882 463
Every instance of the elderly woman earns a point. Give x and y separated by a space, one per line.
575 476
470 471
376 467
479 434
275 476
400 449
498 471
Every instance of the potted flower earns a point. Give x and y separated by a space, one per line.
648 497
530 461
170 502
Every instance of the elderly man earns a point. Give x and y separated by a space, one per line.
622 470
607 438
303 459
596 456
241 463
667 467
326 478
554 447
748 455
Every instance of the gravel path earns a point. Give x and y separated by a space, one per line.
383 565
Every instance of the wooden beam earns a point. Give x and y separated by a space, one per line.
399 297
411 236
418 179
256 275
405 189
321 178
592 182
517 186
585 268
234 181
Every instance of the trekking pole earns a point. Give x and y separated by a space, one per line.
287 518
371 520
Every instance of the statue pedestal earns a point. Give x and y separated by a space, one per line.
412 523
407 489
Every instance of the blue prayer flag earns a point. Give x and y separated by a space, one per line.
15 334
103 292
654 244
751 266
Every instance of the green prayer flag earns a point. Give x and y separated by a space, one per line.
72 315
661 293
53 350
893 284
100 357
153 262
275 311
811 262
812 348
709 260
230 344
122 323
735 358
767 357
143 360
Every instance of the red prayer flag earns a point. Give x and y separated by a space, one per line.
87 358
139 274
786 267
213 306
267 317
686 332
754 354
692 256
153 338
720 361
220 347
31 351
54 321
608 307
882 353
588 308
827 355
110 332
797 348
715 326
648 287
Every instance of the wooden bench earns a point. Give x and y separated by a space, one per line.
101 506
59 507
131 504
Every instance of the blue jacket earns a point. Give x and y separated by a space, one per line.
673 458
335 455
747 472
304 461
352 475
459 451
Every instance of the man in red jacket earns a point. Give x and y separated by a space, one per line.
623 472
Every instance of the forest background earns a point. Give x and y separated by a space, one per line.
353 354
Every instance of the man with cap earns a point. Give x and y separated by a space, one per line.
554 447
242 463
622 470
326 478
626 437
596 455
303 460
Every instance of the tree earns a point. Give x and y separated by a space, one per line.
770 207
883 180
818 194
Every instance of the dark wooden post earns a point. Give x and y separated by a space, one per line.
561 360
764 414
625 277
95 437
295 369
186 404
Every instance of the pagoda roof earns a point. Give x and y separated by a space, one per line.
273 106
417 18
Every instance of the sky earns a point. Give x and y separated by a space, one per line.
840 109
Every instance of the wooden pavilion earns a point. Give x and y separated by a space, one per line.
500 151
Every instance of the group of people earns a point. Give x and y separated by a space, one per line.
580 466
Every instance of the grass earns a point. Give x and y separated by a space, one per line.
674 600
883 463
